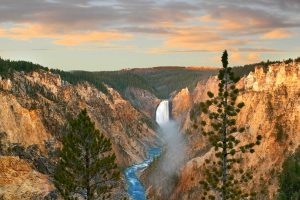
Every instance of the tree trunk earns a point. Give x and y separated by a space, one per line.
224 138
87 178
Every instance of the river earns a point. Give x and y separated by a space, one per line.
135 188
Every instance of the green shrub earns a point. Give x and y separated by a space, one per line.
289 179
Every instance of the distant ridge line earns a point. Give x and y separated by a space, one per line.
172 68
202 68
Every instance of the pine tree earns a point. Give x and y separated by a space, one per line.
224 175
87 165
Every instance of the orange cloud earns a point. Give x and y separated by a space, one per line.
27 32
80 38
253 57
236 58
277 34
32 31
223 24
195 38
233 23
242 22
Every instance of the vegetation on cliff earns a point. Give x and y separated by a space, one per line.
161 81
8 66
87 165
289 179
118 80
165 80
224 176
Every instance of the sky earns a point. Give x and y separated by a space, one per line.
115 34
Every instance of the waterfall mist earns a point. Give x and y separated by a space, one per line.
166 169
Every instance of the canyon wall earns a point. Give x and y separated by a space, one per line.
34 111
143 100
272 100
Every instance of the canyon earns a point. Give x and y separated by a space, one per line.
271 96
35 107
34 110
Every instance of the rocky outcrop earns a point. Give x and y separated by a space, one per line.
181 103
20 124
143 100
19 181
35 108
272 110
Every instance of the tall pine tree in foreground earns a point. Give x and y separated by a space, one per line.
223 174
87 165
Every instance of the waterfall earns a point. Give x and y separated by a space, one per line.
162 112
174 149
168 167
135 188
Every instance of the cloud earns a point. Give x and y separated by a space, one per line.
226 25
144 16
253 57
85 14
68 13
277 34
261 50
200 39
33 31
70 18
172 51
27 32
163 26
289 5
147 30
152 11
87 37
236 58
279 6
232 27
246 20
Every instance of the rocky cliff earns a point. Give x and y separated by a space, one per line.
143 100
272 110
34 109
181 103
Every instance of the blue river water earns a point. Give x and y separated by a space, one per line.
135 188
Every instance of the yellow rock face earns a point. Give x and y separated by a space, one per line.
19 181
20 124
272 110
36 106
181 103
